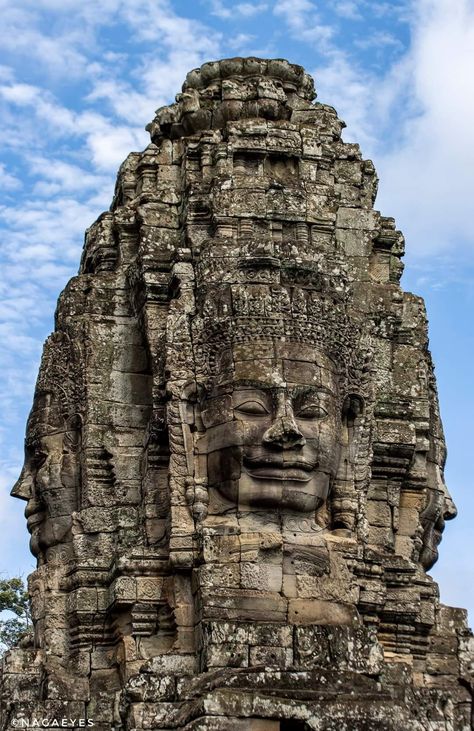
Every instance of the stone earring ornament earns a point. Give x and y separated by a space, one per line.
344 499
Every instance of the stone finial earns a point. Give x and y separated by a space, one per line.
232 89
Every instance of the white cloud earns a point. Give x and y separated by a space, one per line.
378 39
416 121
428 177
56 49
304 22
65 176
41 104
8 181
155 20
125 101
348 9
220 10
108 143
248 10
45 229
344 85
236 10
240 40
400 11
22 94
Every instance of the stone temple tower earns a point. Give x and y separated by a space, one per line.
234 460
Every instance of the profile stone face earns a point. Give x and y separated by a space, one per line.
50 478
234 462
439 505
48 482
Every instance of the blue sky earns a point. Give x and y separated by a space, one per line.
78 83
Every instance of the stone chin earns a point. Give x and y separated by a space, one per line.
431 540
428 557
276 491
45 535
283 491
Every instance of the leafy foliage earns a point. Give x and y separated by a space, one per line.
14 601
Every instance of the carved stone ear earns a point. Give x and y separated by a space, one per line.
196 492
72 437
343 500
191 396
352 408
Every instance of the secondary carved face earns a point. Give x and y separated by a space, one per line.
438 509
272 440
49 478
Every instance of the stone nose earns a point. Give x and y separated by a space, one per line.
284 433
450 509
23 487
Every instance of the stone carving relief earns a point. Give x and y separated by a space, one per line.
234 462
439 506
51 476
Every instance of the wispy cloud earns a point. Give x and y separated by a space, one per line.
380 39
248 10
235 11
8 181
304 21
57 49
348 9
428 175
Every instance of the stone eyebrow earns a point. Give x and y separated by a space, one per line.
304 390
294 390
253 383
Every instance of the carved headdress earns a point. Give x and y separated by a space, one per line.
60 388
254 293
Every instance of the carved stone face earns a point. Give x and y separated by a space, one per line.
272 437
49 478
439 508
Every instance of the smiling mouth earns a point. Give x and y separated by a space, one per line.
438 530
34 514
34 520
267 469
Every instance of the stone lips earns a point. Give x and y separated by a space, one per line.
234 466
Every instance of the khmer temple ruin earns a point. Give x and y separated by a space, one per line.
234 460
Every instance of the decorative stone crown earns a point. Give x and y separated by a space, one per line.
258 297
60 390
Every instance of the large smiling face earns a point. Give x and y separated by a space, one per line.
272 431
439 506
49 478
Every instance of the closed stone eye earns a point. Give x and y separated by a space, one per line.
39 458
311 411
255 408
